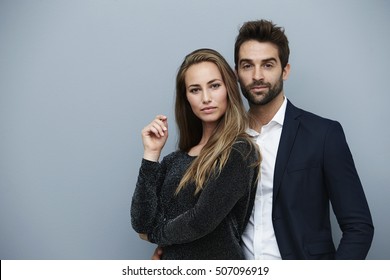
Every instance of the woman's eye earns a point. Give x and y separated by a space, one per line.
194 90
215 86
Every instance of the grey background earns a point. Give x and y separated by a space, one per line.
80 78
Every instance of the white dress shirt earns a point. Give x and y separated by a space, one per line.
259 242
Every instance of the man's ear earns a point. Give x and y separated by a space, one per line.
286 71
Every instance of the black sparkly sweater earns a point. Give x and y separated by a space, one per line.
208 225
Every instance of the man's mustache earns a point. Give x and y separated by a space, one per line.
258 83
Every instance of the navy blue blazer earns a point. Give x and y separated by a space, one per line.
314 166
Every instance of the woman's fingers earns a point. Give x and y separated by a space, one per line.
157 127
154 136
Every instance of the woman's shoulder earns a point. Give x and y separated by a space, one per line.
175 156
172 155
244 143
245 146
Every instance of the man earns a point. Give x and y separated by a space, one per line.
306 163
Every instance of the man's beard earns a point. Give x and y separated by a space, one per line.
267 96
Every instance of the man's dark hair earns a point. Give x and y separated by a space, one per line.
263 31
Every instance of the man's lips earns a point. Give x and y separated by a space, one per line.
259 87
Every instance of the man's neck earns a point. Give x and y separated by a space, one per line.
263 114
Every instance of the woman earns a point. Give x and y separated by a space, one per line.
198 200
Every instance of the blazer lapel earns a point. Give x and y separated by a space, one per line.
289 131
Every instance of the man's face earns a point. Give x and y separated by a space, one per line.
260 72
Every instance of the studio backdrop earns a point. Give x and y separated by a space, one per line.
79 79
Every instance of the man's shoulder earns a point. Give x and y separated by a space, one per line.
307 116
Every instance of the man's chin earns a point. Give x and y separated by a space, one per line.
258 99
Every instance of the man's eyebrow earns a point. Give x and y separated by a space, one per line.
245 60
271 59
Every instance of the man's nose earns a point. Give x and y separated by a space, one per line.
258 73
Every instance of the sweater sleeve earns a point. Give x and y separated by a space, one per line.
145 201
216 200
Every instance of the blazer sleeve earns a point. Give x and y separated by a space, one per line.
347 196
215 202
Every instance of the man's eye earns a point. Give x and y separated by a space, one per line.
268 65
246 66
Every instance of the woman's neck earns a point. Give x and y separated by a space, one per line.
208 130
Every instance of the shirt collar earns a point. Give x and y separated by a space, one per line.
278 118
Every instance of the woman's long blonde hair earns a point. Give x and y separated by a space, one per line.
231 126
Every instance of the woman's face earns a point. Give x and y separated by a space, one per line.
206 92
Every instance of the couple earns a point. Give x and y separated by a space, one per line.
213 199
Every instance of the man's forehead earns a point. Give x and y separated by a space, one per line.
251 50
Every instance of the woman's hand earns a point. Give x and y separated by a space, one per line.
154 137
157 254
